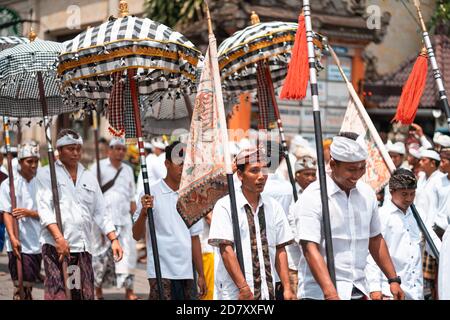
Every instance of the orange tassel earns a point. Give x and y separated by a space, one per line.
296 82
412 91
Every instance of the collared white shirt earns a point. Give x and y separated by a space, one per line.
439 203
354 220
81 205
29 228
173 237
156 170
121 194
277 231
281 190
424 187
404 241
444 267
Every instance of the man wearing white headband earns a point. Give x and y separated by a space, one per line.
397 152
118 187
24 246
156 169
355 228
82 205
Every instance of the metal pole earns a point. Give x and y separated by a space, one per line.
443 99
51 160
319 146
269 82
150 218
223 128
12 193
95 125
384 153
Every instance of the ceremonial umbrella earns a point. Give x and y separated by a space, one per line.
255 59
29 87
5 43
122 59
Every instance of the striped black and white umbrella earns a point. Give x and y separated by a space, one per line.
19 90
240 53
164 60
11 41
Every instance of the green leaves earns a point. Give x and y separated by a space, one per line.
174 13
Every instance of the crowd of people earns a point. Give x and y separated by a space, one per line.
379 248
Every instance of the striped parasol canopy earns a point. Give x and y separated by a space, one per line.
240 53
164 59
11 41
19 91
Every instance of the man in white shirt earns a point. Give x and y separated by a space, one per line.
439 196
397 152
119 192
156 169
355 228
82 205
444 267
429 164
403 238
305 172
264 231
178 246
24 246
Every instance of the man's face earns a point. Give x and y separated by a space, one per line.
28 166
445 165
254 177
397 158
403 198
118 152
174 170
427 165
70 154
305 177
347 174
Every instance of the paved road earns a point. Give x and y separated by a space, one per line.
6 286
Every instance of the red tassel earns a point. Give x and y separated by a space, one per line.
412 91
297 78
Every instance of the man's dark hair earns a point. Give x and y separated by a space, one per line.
103 140
65 132
175 152
349 135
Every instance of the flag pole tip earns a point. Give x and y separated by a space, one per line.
32 35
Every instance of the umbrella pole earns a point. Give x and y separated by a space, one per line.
269 82
150 218
51 160
443 99
319 145
95 125
383 151
12 193
224 133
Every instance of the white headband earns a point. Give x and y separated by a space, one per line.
68 139
117 142
27 150
430 154
348 150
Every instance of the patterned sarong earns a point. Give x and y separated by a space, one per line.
81 281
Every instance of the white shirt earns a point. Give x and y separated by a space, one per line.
444 267
3 169
29 228
81 205
173 237
204 236
354 220
156 170
281 190
404 241
424 187
439 203
277 231
121 194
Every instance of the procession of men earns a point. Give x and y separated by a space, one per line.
379 249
